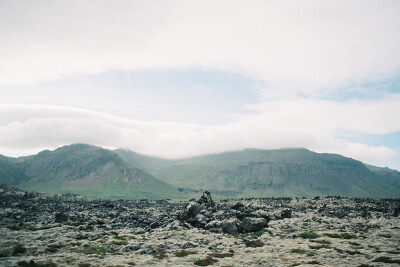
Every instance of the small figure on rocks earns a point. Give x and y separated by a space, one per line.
206 199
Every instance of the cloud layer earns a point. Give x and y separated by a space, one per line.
42 127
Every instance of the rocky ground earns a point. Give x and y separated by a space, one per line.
38 229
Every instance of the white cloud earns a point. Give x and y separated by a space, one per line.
48 126
294 46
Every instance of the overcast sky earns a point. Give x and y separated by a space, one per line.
184 78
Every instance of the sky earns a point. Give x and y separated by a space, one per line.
177 79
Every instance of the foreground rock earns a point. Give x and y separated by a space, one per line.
224 217
69 230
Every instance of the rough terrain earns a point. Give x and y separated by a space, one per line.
38 229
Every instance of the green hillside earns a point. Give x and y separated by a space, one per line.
263 173
100 173
10 171
390 176
91 171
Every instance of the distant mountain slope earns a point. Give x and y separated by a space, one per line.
10 172
101 173
143 162
263 173
88 170
390 176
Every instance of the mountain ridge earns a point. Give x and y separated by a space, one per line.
275 171
101 173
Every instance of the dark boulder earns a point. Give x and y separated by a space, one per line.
190 213
252 225
61 217
237 206
286 213
230 228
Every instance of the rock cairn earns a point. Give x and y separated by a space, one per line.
232 219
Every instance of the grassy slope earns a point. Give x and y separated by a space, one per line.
91 171
10 173
101 173
390 176
262 173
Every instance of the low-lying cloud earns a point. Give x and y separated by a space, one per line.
41 127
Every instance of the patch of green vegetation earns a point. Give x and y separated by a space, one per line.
386 260
298 250
310 262
338 250
326 242
34 264
343 236
14 228
331 235
392 252
96 250
348 236
259 233
84 265
205 262
75 244
73 223
220 255
184 253
120 243
5 253
38 228
308 235
124 237
70 261
254 243
352 252
51 249
19 249
385 235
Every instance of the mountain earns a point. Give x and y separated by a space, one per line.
264 173
101 173
83 169
10 171
390 176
